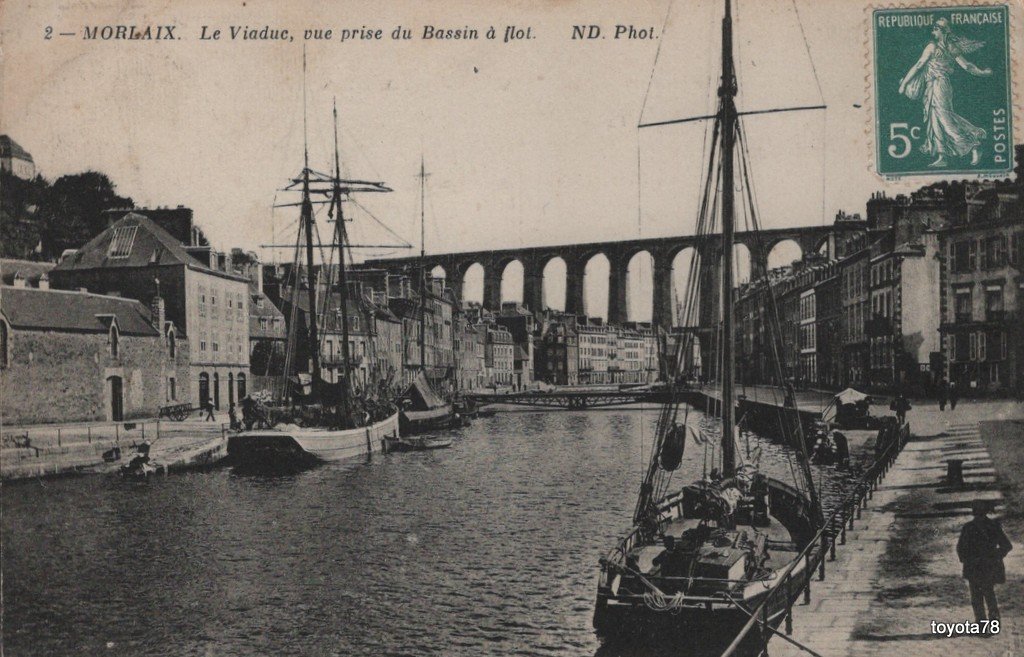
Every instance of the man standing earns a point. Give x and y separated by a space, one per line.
954 395
943 394
981 549
901 406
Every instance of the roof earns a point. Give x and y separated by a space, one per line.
64 310
265 307
150 245
30 270
11 148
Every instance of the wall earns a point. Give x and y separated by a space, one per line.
67 375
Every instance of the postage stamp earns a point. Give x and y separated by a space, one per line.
943 97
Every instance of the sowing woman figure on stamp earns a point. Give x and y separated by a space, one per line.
946 132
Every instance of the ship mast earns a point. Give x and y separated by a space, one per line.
307 223
727 117
423 267
340 241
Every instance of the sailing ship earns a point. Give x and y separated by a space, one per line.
423 410
701 558
324 421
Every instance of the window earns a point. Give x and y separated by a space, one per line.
202 301
114 342
214 344
965 256
981 345
172 391
962 305
121 242
993 302
240 382
993 372
993 253
202 342
172 347
973 350
239 306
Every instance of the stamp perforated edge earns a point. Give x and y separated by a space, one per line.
912 181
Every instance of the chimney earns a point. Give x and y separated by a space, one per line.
44 282
19 280
159 316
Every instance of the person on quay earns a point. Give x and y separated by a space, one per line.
900 405
209 412
943 393
954 395
981 549
233 417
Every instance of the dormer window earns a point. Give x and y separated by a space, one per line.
121 242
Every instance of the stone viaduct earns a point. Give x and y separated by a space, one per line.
663 251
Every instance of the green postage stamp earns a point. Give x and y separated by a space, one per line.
943 100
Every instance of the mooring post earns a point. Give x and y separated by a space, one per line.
58 437
842 535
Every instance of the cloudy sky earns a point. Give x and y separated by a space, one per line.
529 142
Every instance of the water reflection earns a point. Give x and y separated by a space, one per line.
489 547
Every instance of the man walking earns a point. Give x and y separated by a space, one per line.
981 549
209 412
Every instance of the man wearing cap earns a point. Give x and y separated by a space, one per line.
981 549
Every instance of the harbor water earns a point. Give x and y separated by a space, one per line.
487 548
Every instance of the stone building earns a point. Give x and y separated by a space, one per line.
499 356
983 291
75 356
556 357
207 302
593 350
15 159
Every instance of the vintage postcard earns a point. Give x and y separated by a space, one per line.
657 327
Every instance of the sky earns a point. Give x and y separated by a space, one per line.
527 143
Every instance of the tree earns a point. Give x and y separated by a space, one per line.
19 206
71 211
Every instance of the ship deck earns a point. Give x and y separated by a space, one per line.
781 548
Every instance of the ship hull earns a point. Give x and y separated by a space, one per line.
294 445
620 612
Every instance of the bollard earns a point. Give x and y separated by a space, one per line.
851 518
58 437
832 548
807 586
955 472
842 535
89 433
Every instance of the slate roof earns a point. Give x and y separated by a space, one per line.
11 148
64 310
30 270
152 246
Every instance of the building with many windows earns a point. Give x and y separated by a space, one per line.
205 300
983 290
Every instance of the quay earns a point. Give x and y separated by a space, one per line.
895 569
78 448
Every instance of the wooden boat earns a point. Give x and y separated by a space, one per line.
288 443
699 558
414 443
336 423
